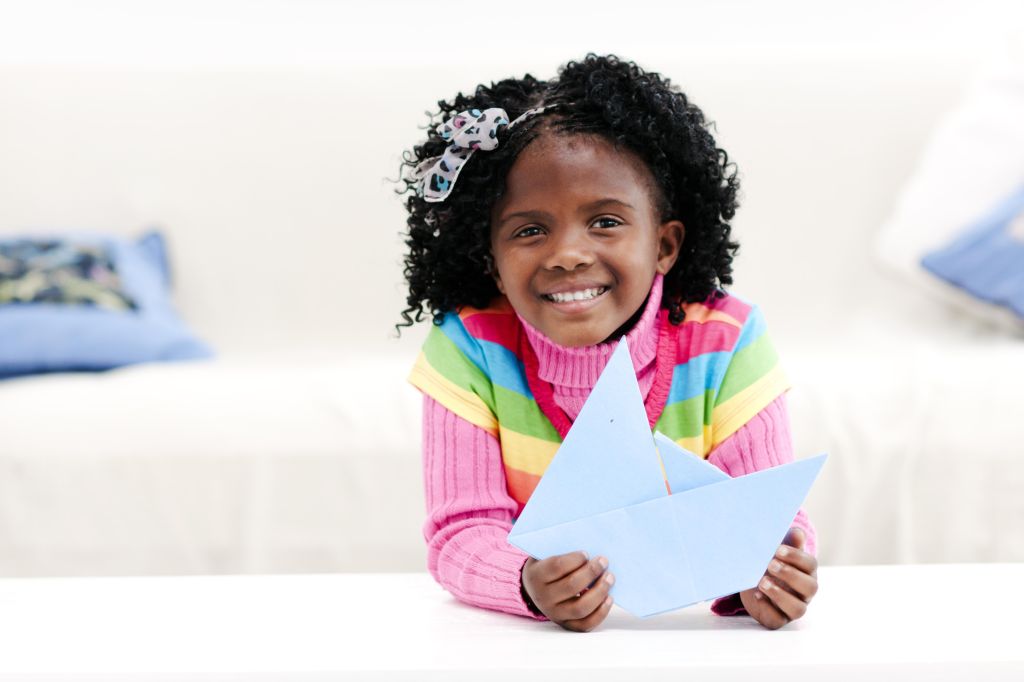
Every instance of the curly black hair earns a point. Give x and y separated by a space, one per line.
448 262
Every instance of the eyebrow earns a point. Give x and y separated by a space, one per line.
529 215
604 202
542 215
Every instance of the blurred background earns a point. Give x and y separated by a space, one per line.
200 264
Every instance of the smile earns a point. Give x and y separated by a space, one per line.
572 296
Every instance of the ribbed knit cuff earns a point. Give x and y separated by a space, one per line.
506 568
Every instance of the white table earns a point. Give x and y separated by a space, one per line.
936 622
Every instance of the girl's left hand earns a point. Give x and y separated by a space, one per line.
787 587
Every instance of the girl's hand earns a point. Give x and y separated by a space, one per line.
787 587
570 589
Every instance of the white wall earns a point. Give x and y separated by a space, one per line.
283 32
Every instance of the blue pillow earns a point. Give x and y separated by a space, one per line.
88 302
987 260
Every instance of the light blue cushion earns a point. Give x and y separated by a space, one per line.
57 336
987 259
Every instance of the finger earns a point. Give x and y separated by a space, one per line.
794 580
557 567
793 607
579 581
797 558
795 537
766 613
596 616
582 606
783 585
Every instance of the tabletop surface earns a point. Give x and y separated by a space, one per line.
941 621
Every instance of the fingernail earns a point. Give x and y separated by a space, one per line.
586 557
766 584
758 595
603 562
775 566
609 578
608 600
783 551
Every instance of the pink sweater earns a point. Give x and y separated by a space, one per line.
469 510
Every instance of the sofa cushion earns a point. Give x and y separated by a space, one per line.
967 177
987 260
87 302
271 463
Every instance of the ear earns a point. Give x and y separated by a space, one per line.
670 240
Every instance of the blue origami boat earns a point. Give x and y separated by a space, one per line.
604 493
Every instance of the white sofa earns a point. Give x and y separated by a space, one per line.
297 448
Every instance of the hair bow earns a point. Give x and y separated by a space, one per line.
466 132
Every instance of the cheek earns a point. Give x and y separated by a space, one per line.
508 274
640 268
498 267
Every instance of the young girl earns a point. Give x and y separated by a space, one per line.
547 220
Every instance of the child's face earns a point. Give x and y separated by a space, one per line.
576 238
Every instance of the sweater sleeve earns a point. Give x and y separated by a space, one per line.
764 441
469 514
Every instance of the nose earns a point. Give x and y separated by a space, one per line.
570 249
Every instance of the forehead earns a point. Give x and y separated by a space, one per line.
558 168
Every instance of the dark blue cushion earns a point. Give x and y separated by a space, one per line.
88 302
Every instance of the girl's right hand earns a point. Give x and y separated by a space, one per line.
570 589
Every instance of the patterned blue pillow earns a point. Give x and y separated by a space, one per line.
987 260
87 302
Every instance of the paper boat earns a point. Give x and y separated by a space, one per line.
604 493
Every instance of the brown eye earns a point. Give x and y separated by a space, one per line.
531 231
607 222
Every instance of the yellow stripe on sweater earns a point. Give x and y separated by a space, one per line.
699 445
526 453
731 415
466 404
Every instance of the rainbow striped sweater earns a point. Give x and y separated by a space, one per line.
724 371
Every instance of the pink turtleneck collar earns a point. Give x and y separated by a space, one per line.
573 371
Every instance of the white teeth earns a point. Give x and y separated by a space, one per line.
584 295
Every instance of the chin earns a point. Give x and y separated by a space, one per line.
578 339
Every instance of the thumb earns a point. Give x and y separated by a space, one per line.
795 537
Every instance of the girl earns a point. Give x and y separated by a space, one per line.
547 220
